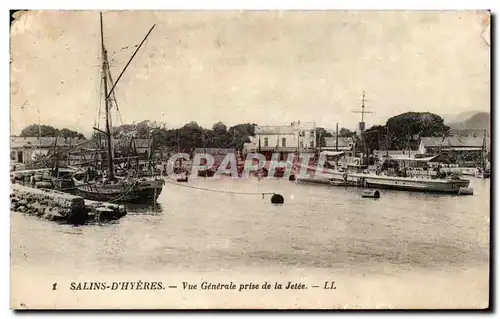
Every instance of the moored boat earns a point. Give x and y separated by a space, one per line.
105 184
130 190
417 183
359 176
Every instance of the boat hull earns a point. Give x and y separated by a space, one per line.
140 192
451 188
401 183
419 184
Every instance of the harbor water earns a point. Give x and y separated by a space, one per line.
416 249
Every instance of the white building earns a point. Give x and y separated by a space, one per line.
285 139
346 145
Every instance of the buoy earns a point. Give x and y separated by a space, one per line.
371 193
277 199
465 191
291 178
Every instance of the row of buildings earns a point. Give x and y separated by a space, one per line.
25 150
464 147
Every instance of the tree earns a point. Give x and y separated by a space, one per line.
405 131
143 129
321 133
219 128
34 129
375 137
123 130
191 136
343 132
240 134
192 125
48 131
70 133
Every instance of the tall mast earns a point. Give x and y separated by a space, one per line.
362 128
337 137
363 108
109 93
362 125
106 102
387 142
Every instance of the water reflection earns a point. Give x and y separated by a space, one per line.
148 209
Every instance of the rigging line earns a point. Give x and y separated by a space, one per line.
125 193
100 103
218 191
113 97
96 114
130 60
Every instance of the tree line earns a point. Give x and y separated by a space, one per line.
34 130
404 131
189 136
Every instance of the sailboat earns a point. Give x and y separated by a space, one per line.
106 185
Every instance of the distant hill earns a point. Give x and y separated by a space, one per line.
474 120
460 117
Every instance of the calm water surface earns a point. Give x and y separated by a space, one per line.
318 227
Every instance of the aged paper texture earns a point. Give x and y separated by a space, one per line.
250 160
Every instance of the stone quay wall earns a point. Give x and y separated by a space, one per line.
59 206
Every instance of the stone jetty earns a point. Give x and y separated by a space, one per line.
102 211
62 207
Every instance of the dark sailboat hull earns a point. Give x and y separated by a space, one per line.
140 192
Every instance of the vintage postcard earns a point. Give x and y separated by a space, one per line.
250 159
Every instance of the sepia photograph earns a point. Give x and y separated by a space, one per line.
250 159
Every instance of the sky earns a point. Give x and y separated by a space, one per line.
264 67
